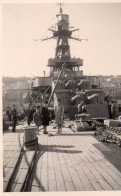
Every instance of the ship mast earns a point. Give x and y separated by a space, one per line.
63 33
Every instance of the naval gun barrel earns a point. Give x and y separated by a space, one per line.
92 96
79 84
75 97
81 106
67 84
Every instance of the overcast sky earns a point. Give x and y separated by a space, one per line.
99 22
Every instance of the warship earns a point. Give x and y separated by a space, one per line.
75 160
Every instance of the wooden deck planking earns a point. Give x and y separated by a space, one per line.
116 185
58 170
65 172
112 174
105 176
109 165
86 174
16 187
21 167
52 184
24 165
44 171
92 178
103 172
39 164
37 185
35 188
6 154
112 181
13 159
74 175
106 184
68 162
8 158
93 154
80 143
95 173
10 144
7 177
10 154
106 169
74 157
36 180
99 177
26 160
4 186
9 167
52 165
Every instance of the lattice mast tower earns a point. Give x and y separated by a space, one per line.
62 33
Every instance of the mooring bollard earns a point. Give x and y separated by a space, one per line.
30 137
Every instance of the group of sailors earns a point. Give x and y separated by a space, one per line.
39 115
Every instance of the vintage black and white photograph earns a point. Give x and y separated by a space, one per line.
61 96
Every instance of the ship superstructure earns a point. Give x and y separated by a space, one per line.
78 93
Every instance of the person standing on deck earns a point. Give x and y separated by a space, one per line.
8 112
37 118
59 114
29 115
45 117
14 118
113 109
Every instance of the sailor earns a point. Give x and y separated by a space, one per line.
14 118
45 117
29 115
59 114
37 118
113 109
8 112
